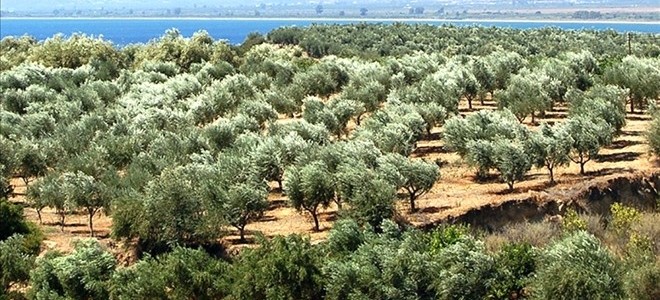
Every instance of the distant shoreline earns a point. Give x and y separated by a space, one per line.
560 21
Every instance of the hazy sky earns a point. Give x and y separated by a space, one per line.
49 5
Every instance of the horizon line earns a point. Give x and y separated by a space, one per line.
327 19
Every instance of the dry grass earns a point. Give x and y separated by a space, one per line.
455 193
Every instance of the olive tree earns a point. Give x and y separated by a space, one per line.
511 160
244 203
473 136
601 101
587 136
549 147
309 187
371 197
84 191
577 267
416 176
524 95
641 76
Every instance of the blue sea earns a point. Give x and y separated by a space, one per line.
127 31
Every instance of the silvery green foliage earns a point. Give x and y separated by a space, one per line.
549 147
600 101
344 110
309 188
465 270
316 112
653 135
641 76
577 267
371 197
560 78
473 136
588 135
525 95
416 176
396 128
366 265
316 134
177 211
83 274
505 64
512 161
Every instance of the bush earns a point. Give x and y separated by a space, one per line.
15 263
577 267
12 220
182 274
83 274
515 264
281 268
642 283
466 271
573 222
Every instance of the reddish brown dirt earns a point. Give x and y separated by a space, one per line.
455 193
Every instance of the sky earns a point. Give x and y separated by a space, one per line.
50 5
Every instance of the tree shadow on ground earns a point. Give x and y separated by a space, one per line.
620 144
631 133
615 157
425 150
279 203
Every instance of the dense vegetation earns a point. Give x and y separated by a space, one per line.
182 139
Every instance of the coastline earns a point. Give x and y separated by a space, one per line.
421 20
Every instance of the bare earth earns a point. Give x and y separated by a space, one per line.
455 192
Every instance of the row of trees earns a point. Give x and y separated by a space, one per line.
85 138
496 140
182 138
359 263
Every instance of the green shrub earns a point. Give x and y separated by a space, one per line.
466 271
577 267
623 218
448 235
643 282
281 268
83 274
12 220
515 264
573 222
15 263
182 274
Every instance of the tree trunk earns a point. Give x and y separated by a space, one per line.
469 100
582 167
316 221
279 184
39 216
241 232
91 224
632 105
533 118
552 176
510 184
62 216
358 118
412 202
91 212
